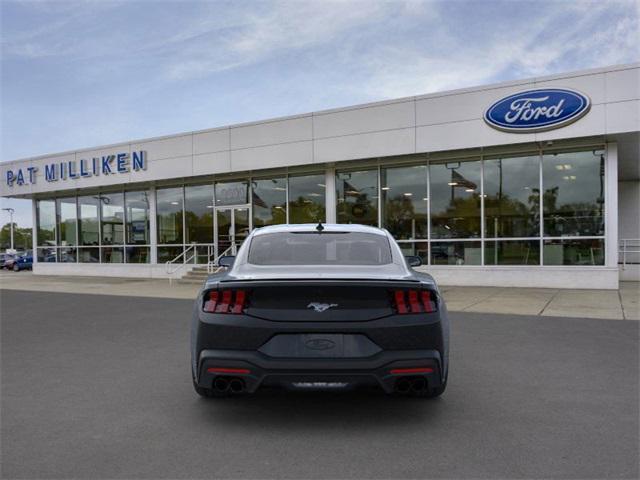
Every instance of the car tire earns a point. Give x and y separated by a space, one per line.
16 268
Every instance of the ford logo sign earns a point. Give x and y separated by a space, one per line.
537 110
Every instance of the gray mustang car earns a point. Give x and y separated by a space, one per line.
319 307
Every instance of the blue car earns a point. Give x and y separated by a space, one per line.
23 262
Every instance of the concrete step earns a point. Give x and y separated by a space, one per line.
196 275
191 281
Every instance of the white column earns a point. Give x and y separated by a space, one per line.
153 233
611 205
330 193
34 231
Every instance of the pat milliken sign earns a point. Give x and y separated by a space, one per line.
115 164
537 110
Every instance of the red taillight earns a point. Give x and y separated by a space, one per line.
414 301
408 371
227 301
236 371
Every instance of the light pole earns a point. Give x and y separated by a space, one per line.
11 212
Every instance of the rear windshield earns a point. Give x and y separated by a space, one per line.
311 248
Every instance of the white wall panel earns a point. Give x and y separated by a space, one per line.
456 108
167 168
366 145
361 120
286 154
623 85
166 147
209 163
623 117
469 134
212 141
592 85
593 123
271 133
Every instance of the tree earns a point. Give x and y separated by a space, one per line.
21 237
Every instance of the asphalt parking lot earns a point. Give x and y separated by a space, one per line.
98 386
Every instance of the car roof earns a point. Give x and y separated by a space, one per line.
327 227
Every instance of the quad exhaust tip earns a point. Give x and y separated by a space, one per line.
411 385
228 385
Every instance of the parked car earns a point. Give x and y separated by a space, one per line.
319 307
8 260
23 262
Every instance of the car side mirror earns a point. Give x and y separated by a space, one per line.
413 260
226 261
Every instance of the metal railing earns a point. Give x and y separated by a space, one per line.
212 265
627 247
187 255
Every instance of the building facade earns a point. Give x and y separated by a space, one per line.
526 183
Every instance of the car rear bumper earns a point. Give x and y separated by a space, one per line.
257 369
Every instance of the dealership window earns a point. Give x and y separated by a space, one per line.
574 251
198 217
455 199
512 252
169 208
405 201
46 230
307 198
88 229
573 193
357 197
512 196
418 249
232 193
456 253
137 236
67 216
269 201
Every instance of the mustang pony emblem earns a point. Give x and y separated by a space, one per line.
321 307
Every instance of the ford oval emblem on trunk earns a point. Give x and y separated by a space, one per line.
319 344
537 110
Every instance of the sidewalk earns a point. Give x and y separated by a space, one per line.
623 304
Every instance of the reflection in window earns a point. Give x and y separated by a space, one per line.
455 200
67 254
168 253
405 201
169 207
198 213
574 252
456 253
112 255
307 199
573 198
357 196
137 254
513 252
88 222
67 213
232 193
89 255
47 254
269 199
417 249
512 197
112 205
46 222
137 218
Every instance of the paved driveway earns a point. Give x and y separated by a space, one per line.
98 386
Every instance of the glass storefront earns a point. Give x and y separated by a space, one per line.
357 197
307 198
469 211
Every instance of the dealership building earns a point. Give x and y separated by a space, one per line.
530 183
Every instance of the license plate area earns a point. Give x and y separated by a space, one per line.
319 345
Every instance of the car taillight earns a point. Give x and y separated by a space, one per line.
414 301
225 301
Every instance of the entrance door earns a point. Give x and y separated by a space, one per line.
232 227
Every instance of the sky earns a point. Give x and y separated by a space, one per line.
87 73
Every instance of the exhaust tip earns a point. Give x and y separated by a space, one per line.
221 384
236 385
403 385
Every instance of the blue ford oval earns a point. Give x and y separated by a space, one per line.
537 110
